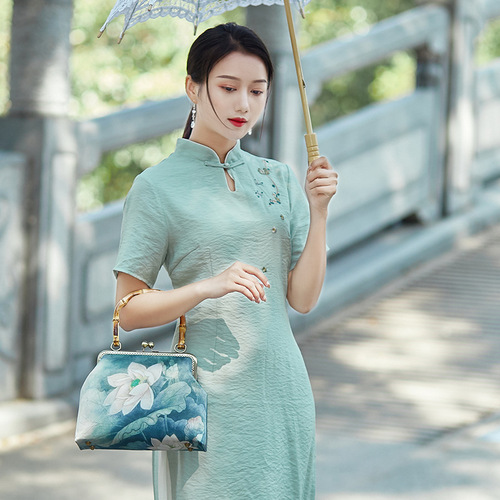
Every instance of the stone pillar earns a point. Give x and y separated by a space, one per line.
38 127
466 25
40 49
433 62
12 248
284 124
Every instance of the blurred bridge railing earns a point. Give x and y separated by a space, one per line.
486 165
389 155
486 102
393 157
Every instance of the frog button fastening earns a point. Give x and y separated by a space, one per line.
282 217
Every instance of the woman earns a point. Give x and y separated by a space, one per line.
239 239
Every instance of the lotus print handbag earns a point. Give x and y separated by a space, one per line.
145 400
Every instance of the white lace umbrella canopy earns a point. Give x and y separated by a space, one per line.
197 11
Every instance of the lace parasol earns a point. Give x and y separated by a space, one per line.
195 11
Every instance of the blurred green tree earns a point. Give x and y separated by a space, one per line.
488 43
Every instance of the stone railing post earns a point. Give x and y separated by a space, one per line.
466 25
38 126
283 117
433 62
12 250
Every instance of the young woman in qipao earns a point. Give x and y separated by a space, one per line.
240 239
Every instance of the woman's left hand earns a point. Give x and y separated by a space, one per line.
321 184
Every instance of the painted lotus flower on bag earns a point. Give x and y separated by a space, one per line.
168 443
142 402
132 388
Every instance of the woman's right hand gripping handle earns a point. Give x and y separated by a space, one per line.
155 309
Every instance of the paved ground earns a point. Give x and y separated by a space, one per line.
407 389
407 384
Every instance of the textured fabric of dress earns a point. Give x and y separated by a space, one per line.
261 420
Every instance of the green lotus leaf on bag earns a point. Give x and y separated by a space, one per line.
173 399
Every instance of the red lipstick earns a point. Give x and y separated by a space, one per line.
238 122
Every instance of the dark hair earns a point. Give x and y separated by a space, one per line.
216 43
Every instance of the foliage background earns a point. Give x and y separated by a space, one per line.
149 64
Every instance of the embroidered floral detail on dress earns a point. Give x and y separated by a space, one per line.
275 198
258 193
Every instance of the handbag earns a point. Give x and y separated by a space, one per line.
145 400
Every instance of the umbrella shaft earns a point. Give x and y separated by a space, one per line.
298 67
311 140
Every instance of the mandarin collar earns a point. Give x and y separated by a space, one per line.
208 156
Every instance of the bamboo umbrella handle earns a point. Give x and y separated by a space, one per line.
310 137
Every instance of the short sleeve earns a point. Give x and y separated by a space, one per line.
144 234
299 217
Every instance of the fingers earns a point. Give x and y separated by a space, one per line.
320 163
321 171
255 271
321 179
250 281
324 185
255 289
245 291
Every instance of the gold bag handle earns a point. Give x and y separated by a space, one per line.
116 344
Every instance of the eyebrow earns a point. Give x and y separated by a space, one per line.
229 77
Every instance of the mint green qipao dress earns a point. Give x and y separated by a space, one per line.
261 420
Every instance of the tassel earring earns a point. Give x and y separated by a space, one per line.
193 115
